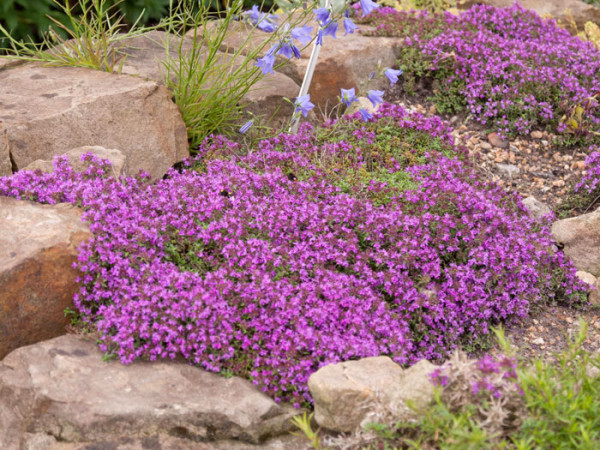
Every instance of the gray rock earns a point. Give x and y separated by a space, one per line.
508 170
47 110
116 157
536 208
38 246
63 389
580 237
345 393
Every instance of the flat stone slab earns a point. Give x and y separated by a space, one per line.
49 110
63 388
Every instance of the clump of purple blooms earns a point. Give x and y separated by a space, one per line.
491 383
512 70
254 261
590 181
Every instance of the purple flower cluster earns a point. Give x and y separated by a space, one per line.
591 179
259 263
511 69
487 376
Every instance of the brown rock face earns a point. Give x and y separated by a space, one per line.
580 237
47 110
38 245
62 388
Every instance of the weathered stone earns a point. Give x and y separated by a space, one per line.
566 10
580 237
594 296
508 170
148 58
5 164
344 393
536 208
586 277
116 158
62 388
159 441
38 245
362 103
49 109
536 134
496 141
7 62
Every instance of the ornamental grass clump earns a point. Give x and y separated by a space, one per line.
509 68
259 262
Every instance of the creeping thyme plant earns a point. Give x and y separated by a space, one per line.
310 249
509 68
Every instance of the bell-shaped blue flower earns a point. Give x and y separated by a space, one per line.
376 97
368 6
302 34
348 96
365 115
303 105
246 126
266 63
349 26
392 75
322 16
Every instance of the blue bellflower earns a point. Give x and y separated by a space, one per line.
266 63
368 6
246 126
392 75
365 115
348 96
302 34
322 16
349 26
303 104
376 97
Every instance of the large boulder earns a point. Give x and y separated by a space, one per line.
580 237
565 10
49 109
345 393
38 246
116 158
63 389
